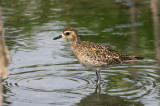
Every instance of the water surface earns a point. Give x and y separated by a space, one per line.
44 72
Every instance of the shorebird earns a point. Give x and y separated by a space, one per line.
93 55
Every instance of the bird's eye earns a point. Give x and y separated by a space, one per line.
67 33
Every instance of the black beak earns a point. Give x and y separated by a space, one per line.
58 37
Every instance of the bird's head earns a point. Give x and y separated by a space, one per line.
68 33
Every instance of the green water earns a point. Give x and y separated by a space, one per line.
44 72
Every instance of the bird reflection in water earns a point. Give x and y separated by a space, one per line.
98 99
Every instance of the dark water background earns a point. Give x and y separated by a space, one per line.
44 72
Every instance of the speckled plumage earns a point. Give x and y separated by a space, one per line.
97 56
93 55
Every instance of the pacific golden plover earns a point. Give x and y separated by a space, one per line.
93 55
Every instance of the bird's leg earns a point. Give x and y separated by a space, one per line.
98 76
98 89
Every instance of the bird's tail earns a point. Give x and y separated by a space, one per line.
131 58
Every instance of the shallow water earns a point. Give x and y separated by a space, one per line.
44 72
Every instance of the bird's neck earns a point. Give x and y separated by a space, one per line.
74 41
74 45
